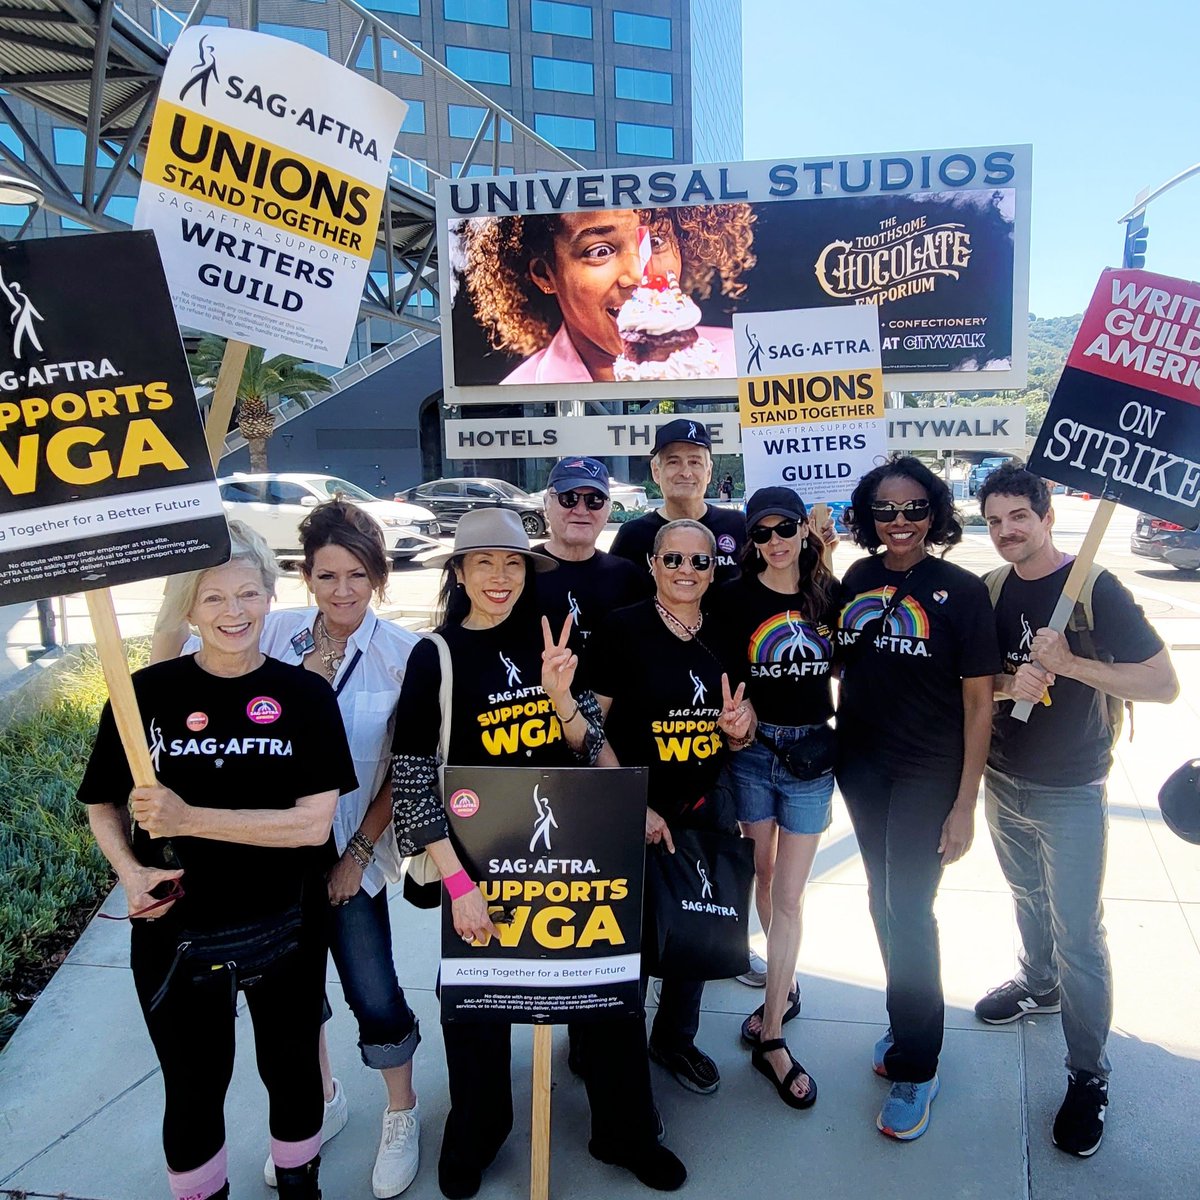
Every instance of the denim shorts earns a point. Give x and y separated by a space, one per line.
765 790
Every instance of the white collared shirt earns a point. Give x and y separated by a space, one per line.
368 703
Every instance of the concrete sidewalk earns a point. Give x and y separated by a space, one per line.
81 1099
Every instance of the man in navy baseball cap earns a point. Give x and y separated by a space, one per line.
682 430
570 473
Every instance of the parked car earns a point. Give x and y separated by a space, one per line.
626 497
449 499
274 505
982 470
1170 543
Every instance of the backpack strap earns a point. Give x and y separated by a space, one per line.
995 582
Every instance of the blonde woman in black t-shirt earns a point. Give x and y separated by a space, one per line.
918 643
499 651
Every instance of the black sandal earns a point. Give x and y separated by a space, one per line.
784 1086
790 1013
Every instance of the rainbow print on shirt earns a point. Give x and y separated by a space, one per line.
906 627
785 637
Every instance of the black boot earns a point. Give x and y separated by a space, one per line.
223 1194
299 1183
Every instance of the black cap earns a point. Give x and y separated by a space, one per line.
682 430
774 502
1179 799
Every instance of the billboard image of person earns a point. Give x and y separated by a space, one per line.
571 293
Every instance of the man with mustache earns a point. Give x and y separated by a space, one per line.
1045 781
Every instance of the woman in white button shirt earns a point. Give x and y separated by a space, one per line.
342 639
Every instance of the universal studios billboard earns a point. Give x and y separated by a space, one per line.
623 284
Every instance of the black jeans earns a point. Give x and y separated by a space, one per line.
193 1034
478 1066
898 823
678 1016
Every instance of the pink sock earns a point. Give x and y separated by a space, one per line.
201 1182
295 1154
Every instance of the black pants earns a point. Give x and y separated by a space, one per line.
193 1035
898 823
678 1017
478 1066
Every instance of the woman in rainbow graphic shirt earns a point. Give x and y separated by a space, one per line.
918 642
779 617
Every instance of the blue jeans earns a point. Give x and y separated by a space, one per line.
1051 843
360 939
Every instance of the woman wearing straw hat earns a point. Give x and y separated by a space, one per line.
499 649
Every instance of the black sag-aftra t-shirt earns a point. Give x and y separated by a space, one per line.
635 541
589 590
784 658
1068 742
900 702
257 741
500 717
666 698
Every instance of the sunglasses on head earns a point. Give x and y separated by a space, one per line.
913 510
592 501
673 560
760 535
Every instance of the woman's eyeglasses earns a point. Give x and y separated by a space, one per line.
913 510
760 535
592 501
673 560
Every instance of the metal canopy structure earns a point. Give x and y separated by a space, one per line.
90 65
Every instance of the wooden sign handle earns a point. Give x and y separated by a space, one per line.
120 685
1074 585
539 1155
233 362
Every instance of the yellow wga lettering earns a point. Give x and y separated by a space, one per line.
682 741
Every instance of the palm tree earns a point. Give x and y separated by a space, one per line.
261 382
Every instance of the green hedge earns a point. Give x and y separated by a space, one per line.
54 874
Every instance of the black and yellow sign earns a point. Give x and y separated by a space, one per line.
558 855
104 473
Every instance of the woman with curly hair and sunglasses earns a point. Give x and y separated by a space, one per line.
918 642
551 286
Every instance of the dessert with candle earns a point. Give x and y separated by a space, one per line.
658 332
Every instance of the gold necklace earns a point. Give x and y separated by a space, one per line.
670 618
331 656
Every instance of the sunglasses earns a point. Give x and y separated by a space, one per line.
760 535
592 501
913 510
174 892
673 560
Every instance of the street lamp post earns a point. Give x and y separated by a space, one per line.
1136 231
14 190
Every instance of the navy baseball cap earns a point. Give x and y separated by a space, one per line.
570 473
1179 800
682 430
774 502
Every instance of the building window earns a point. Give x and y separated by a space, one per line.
567 20
396 59
168 24
479 66
69 146
477 12
571 133
635 29
411 8
314 39
478 169
465 120
8 137
650 141
633 84
414 119
563 75
122 208
13 214
410 170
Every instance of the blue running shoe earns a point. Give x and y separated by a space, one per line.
882 1046
905 1113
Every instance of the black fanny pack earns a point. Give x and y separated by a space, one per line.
244 953
810 756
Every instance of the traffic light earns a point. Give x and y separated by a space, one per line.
1137 233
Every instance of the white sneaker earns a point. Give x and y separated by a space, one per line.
399 1152
756 977
332 1123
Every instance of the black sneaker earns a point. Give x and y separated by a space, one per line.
690 1066
1012 1000
1079 1126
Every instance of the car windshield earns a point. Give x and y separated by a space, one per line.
340 487
509 490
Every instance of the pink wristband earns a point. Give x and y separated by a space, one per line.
459 884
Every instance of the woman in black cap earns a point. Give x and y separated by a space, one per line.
778 621
501 650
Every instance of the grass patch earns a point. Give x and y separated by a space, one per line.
54 875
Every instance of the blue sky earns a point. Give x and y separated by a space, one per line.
1106 92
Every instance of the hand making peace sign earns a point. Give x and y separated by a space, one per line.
737 715
558 665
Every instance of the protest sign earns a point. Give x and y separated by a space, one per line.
937 241
104 473
264 181
558 856
1124 420
810 399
